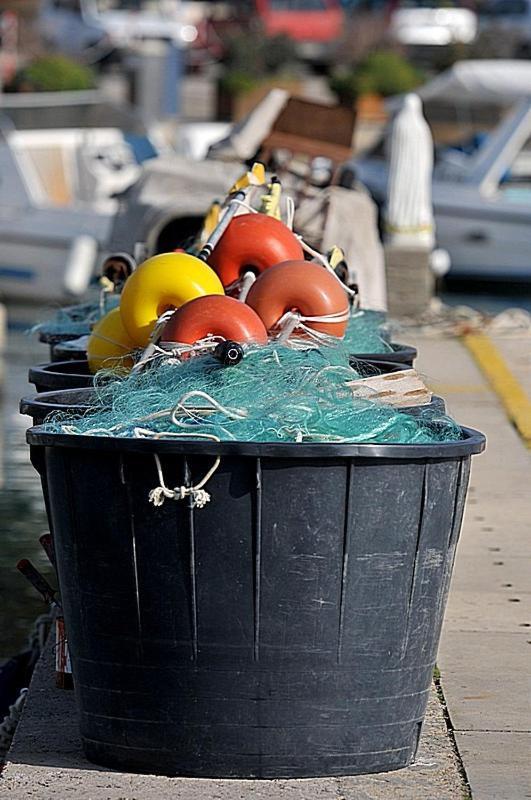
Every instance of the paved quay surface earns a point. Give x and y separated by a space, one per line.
485 650
483 658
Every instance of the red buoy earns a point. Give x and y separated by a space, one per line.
216 315
303 287
253 243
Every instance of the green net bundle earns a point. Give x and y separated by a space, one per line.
76 320
366 333
275 394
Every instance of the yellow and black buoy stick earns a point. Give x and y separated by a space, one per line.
223 224
237 194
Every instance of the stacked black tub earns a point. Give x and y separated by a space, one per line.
397 354
288 627
59 375
75 374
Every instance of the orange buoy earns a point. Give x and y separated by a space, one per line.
216 315
253 242
303 287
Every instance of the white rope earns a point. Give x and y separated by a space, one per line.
294 320
147 433
245 205
231 413
200 497
326 264
290 212
107 288
174 352
245 283
154 337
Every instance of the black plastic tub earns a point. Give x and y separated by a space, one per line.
81 401
71 350
55 339
288 628
399 354
71 401
61 375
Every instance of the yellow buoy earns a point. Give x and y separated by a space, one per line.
162 282
109 345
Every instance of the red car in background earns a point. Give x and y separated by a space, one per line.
314 25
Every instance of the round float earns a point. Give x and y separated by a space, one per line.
163 282
253 243
305 288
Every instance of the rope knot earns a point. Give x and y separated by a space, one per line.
200 497
158 495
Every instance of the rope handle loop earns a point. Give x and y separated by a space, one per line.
200 497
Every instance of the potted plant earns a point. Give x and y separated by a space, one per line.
252 66
379 75
52 73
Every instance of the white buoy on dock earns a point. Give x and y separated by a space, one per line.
408 218
409 211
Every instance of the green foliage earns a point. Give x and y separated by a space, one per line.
236 82
258 55
53 74
253 57
383 72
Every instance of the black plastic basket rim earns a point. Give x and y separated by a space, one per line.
69 367
46 402
38 402
472 443
41 373
51 366
405 350
42 400
48 337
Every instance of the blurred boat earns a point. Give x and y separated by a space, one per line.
57 205
70 196
500 82
481 199
432 23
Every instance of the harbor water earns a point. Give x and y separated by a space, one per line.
22 514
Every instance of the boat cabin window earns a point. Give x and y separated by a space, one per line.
515 185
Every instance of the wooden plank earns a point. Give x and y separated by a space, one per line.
398 389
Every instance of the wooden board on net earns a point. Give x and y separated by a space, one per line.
398 389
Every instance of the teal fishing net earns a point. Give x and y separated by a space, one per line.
367 333
77 320
274 394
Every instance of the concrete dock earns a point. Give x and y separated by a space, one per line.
476 742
